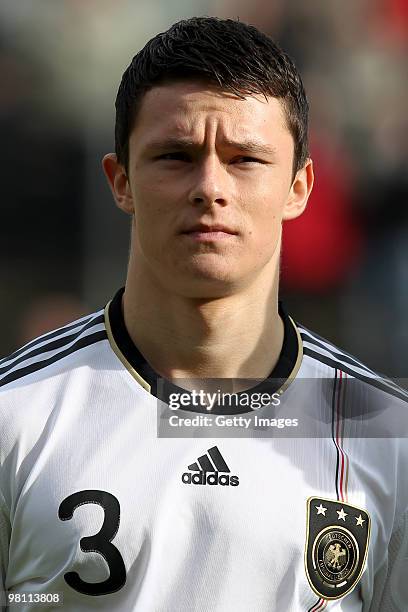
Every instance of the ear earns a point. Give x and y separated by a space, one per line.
118 182
299 192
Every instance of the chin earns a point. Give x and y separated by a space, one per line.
211 272
206 283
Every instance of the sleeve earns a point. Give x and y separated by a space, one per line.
5 532
391 582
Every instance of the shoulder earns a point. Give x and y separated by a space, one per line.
35 360
43 384
324 357
365 410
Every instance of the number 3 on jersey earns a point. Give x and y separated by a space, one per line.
101 542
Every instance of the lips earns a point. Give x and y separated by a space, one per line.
203 228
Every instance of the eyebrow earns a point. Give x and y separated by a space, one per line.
249 145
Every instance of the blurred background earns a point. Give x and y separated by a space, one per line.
64 244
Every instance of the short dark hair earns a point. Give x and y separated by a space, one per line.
234 55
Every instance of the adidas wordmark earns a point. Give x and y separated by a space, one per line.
207 470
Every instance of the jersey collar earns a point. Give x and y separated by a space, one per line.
121 343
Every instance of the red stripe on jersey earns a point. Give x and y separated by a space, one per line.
321 604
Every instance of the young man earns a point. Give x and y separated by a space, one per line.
102 505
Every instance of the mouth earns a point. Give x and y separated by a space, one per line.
204 232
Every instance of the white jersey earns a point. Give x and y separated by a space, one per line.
101 508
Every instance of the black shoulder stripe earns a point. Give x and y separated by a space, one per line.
341 356
374 382
39 365
47 336
302 328
50 346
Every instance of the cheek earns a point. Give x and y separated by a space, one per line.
264 222
150 205
264 214
155 217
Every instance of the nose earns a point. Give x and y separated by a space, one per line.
210 183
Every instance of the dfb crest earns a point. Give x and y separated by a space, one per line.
336 546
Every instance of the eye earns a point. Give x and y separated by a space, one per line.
174 156
246 159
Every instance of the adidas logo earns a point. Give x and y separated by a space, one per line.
207 470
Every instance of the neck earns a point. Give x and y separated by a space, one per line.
237 336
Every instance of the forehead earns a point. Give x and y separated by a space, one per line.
196 108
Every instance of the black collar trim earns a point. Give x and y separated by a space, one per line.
281 376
